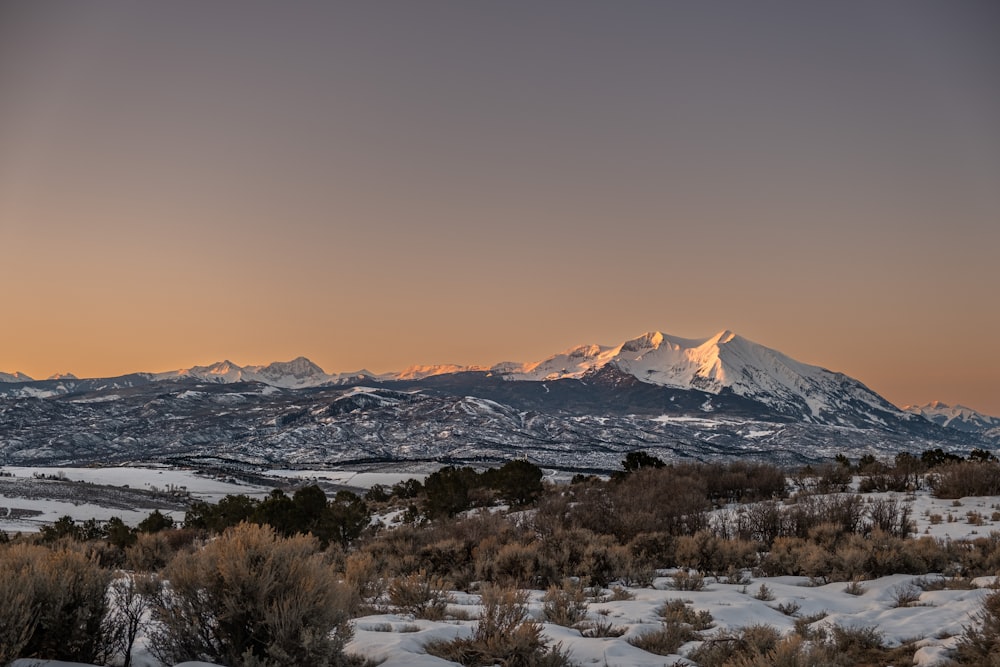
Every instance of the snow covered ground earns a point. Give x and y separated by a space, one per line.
28 501
934 618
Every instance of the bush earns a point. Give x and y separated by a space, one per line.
687 581
667 640
250 597
679 611
728 648
841 647
565 605
420 594
52 603
17 607
504 635
150 552
958 480
980 642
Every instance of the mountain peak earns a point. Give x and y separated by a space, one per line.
650 340
723 337
298 372
953 416
16 376
722 362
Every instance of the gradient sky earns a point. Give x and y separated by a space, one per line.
379 184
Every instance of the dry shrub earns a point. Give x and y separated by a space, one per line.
906 595
890 516
803 625
980 642
741 481
841 647
449 557
706 552
504 635
601 627
624 509
944 584
852 556
423 595
363 574
688 581
862 645
52 603
561 555
925 554
667 640
604 561
252 598
796 556
17 613
680 611
790 608
552 514
979 556
759 522
618 594
846 512
150 553
959 480
566 604
789 652
855 587
653 550
514 563
727 648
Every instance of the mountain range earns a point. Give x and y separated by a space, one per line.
716 396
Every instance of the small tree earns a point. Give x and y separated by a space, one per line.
638 460
228 512
64 526
981 456
133 597
517 482
345 517
448 491
155 522
118 533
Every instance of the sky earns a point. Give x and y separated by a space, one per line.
381 184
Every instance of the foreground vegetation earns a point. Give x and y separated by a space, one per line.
276 581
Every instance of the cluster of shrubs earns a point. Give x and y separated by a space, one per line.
275 581
248 597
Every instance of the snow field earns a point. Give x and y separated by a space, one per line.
936 619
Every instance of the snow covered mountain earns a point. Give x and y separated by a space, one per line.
725 362
654 374
295 374
708 398
955 416
15 377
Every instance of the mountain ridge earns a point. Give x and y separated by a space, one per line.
718 365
